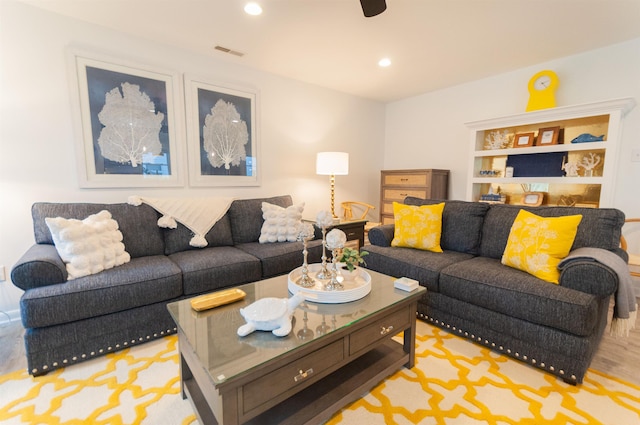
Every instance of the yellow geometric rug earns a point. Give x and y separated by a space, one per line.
454 382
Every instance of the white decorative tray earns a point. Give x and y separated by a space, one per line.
353 288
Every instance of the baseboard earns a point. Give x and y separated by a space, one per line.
9 316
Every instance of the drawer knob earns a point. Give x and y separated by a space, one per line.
385 330
302 375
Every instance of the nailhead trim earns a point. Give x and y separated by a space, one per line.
55 364
541 365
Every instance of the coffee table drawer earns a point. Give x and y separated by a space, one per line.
383 328
271 385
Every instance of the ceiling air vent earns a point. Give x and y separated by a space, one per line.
227 50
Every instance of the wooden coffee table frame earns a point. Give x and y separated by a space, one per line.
359 356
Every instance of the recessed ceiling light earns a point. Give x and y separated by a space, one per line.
253 9
384 62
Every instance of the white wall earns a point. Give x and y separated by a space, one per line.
37 156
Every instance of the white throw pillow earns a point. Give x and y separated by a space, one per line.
88 246
280 224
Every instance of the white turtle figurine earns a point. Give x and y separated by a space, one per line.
270 314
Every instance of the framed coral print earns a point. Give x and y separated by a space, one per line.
127 123
222 134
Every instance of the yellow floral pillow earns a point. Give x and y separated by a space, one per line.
418 226
536 244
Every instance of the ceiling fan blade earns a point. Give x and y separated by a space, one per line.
373 7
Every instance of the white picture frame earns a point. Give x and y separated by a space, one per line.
154 145
207 106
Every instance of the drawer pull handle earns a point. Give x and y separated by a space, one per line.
302 375
404 180
351 234
403 194
384 331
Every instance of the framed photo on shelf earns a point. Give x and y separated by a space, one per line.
533 199
222 134
523 140
128 121
548 136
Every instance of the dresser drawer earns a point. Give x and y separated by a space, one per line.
421 179
384 328
388 219
400 194
271 385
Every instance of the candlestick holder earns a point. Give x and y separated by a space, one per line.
305 234
324 272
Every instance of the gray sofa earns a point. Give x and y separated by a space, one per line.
470 293
71 321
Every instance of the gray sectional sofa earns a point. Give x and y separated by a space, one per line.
71 321
556 328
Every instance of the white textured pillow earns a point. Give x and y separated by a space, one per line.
88 246
280 224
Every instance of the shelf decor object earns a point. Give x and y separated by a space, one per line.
548 136
583 170
524 140
332 164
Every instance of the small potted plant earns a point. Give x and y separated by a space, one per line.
350 258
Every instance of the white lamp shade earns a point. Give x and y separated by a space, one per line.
332 163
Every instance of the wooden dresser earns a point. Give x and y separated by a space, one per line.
395 185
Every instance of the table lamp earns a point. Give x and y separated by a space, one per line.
332 164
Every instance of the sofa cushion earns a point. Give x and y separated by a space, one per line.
599 227
246 217
461 223
418 227
281 258
487 283
142 281
177 240
140 232
209 269
423 266
280 224
88 246
536 245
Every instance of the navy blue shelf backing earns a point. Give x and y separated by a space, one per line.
538 164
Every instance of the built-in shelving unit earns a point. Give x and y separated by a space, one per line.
561 171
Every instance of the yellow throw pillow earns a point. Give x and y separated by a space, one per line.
537 244
418 226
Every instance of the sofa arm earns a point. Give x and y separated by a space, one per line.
382 235
590 277
39 266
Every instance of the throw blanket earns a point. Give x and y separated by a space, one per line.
625 309
198 214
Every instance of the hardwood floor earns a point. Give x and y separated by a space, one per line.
616 356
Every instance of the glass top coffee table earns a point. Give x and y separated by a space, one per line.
333 355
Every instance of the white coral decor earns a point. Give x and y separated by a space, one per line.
324 219
336 239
